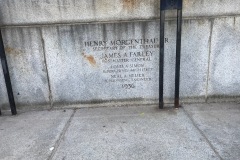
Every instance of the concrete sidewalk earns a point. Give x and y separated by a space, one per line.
196 131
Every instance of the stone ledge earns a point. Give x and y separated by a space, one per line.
49 12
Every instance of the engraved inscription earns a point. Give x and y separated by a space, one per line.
127 63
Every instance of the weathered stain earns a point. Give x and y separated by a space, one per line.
10 50
130 4
188 3
90 59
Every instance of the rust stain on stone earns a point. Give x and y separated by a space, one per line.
13 51
90 59
130 4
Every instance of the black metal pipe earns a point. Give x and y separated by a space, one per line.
161 59
7 77
178 58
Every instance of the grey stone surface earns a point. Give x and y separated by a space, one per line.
55 11
221 125
30 135
80 73
132 133
198 8
77 72
3 91
24 51
225 60
194 58
13 12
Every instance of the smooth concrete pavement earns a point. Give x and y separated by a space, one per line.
196 131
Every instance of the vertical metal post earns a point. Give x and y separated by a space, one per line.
161 59
169 5
178 57
7 77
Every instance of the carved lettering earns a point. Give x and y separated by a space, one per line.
127 63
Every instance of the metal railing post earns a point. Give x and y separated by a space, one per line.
178 58
168 5
7 77
161 60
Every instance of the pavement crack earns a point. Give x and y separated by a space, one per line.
57 144
202 133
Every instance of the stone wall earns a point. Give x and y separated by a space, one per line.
96 51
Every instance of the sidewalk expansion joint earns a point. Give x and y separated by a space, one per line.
202 133
57 143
